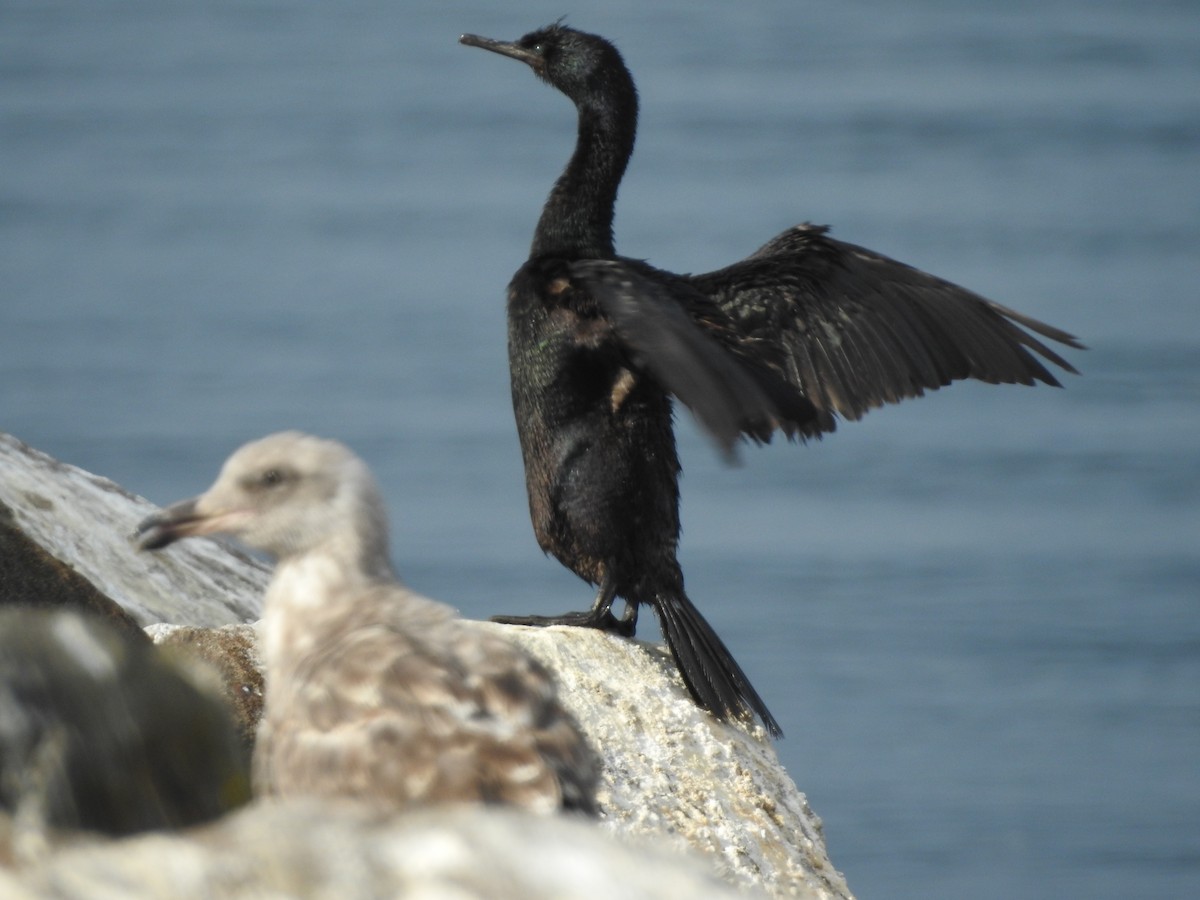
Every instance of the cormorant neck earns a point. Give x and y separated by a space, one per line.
577 219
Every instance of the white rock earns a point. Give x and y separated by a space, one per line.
672 774
85 522
304 849
672 770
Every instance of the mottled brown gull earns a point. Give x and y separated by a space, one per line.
373 691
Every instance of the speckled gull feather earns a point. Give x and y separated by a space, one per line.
373 691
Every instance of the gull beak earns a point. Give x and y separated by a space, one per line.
187 518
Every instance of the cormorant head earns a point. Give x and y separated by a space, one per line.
583 66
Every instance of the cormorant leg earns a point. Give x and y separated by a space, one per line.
599 616
628 621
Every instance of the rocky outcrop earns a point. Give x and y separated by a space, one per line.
231 655
309 849
103 732
675 780
673 771
64 541
672 774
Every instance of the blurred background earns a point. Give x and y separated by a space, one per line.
975 614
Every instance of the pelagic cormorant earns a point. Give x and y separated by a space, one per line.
802 331
374 692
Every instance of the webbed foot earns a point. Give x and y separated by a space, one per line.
599 616
604 620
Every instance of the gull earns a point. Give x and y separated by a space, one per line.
374 692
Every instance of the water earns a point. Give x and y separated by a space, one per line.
974 615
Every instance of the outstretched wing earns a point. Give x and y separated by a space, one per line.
663 338
851 329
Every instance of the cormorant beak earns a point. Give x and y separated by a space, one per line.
186 518
505 48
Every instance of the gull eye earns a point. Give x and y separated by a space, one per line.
268 479
272 478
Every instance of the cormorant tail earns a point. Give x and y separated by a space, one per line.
711 674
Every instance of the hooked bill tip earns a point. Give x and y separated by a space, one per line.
164 527
504 48
151 535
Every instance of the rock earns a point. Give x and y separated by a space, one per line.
672 769
31 577
672 774
64 540
11 888
230 653
312 849
99 731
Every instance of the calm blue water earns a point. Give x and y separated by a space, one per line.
976 615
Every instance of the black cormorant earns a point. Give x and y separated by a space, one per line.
804 330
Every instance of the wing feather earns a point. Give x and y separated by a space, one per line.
663 338
850 329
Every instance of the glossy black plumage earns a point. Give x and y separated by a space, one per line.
803 331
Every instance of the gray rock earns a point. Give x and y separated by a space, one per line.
672 774
312 849
230 655
671 769
64 539
100 731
